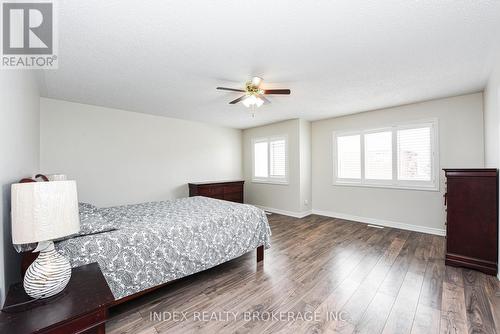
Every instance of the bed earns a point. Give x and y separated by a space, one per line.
158 242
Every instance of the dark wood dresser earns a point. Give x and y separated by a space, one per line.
472 219
226 190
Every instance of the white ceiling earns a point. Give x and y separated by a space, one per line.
337 57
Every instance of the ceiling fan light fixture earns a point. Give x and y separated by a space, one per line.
254 95
259 102
252 100
256 81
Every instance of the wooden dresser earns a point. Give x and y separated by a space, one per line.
472 219
227 190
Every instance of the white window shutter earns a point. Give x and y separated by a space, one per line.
404 156
415 154
260 160
378 155
349 157
277 158
270 160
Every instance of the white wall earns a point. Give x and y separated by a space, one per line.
120 157
305 137
19 147
461 145
492 124
492 120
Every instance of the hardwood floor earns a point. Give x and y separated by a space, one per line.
324 275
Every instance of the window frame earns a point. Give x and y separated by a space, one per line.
394 183
270 179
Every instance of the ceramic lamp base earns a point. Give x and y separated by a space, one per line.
48 274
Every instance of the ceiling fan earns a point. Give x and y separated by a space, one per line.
254 95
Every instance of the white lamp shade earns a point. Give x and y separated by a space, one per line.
253 100
44 211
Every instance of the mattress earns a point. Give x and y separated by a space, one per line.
158 242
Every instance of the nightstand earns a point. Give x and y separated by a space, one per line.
82 307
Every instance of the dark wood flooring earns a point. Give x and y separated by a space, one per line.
324 275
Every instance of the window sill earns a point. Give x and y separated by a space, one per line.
387 186
277 182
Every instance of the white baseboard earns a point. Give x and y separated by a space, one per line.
381 222
365 220
285 212
498 276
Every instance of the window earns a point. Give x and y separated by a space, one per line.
277 156
270 160
415 154
349 157
401 156
261 155
378 155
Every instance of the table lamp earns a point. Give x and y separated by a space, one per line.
42 212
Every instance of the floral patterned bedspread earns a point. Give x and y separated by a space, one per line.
158 242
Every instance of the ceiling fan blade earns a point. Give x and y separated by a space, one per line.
231 89
277 91
238 99
266 101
